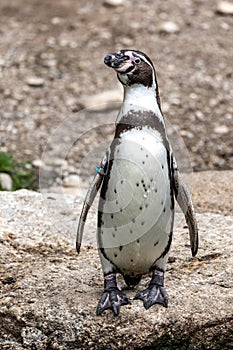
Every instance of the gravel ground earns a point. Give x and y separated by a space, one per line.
51 59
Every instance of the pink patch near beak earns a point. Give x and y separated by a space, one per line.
124 67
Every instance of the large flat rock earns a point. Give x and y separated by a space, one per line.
49 293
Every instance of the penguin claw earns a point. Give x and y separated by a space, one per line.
113 300
154 294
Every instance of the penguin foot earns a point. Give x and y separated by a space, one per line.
112 297
155 293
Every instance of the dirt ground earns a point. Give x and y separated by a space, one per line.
51 56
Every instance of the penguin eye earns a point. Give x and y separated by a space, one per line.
137 60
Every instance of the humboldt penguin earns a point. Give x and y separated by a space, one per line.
138 179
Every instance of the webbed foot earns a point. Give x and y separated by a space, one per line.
112 297
155 293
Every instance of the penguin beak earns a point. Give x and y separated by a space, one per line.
118 61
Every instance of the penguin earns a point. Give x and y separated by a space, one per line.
139 180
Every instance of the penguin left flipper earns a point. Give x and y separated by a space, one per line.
184 200
91 194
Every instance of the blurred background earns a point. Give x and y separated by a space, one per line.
51 69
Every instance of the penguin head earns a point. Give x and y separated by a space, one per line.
132 67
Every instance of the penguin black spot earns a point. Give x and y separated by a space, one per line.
142 181
115 228
115 191
131 260
142 223
113 234
122 181
140 208
146 155
138 241
137 184
162 166
120 247
151 180
141 149
155 244
133 220
146 205
115 255
143 162
164 209
156 190
162 203
116 201
131 231
112 216
121 210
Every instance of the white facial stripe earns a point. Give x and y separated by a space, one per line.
144 59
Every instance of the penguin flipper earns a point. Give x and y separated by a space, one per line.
184 200
91 194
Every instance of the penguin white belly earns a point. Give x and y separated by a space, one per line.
137 215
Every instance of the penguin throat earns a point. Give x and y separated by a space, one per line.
140 96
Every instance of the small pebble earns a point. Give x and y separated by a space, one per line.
35 81
221 129
71 181
113 3
6 182
225 8
37 163
56 20
2 62
169 27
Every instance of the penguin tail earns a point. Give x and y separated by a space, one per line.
132 281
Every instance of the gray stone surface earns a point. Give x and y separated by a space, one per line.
49 293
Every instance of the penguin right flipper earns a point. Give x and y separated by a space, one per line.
184 200
91 194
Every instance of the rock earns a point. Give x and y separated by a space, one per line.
52 302
169 27
102 100
6 182
35 81
225 8
71 181
113 3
